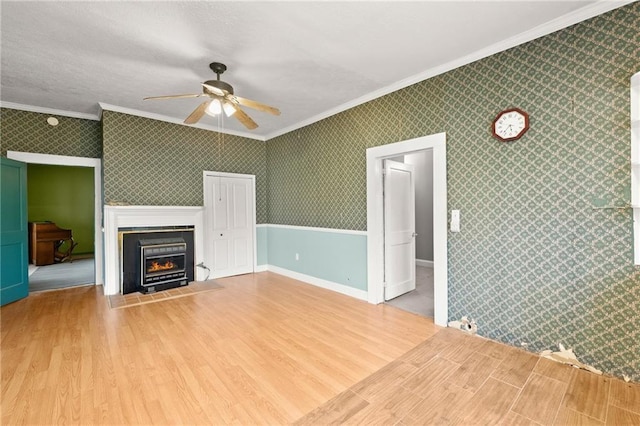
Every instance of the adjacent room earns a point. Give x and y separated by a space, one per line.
60 201
320 212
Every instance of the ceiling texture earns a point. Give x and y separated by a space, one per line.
309 59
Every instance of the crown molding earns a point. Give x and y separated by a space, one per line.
50 111
587 12
165 118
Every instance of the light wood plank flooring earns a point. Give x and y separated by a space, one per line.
270 350
265 349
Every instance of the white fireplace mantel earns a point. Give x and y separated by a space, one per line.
116 217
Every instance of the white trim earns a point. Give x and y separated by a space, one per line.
96 163
375 225
60 160
318 282
50 111
261 225
262 268
582 14
635 163
311 228
116 217
424 263
208 229
166 118
227 175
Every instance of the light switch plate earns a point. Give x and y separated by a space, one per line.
455 220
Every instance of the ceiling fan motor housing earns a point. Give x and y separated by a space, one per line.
220 85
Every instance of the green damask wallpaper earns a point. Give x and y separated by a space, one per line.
537 261
150 162
29 132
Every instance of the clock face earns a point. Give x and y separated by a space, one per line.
510 125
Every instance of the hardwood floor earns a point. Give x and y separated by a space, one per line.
267 349
456 379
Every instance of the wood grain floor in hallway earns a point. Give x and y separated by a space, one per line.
266 349
456 379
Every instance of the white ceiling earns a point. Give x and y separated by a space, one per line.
309 59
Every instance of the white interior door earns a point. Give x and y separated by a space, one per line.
399 229
230 221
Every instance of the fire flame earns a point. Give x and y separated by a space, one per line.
155 266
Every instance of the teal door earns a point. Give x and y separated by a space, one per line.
14 262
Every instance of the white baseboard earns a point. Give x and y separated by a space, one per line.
425 263
319 282
261 268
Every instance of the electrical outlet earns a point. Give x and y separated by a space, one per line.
297 256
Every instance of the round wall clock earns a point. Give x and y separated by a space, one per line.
510 125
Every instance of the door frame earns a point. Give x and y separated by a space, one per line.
96 163
375 222
208 255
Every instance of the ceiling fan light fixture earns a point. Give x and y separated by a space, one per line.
219 97
229 109
214 108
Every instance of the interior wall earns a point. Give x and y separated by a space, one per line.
423 166
29 132
536 261
150 162
64 195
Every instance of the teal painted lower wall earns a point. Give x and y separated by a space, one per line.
261 245
337 257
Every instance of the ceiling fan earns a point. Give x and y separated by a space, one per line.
221 98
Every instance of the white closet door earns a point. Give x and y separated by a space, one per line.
229 208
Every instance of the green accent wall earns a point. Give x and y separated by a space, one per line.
64 195
150 162
535 261
29 132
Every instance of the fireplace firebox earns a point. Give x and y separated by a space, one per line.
162 261
155 259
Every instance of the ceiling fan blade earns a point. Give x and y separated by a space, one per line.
174 96
253 104
244 118
214 89
197 113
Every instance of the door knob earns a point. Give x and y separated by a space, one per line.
414 235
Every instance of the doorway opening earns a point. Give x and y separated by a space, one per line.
416 232
375 218
84 265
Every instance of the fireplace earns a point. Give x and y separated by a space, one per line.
154 259
162 261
